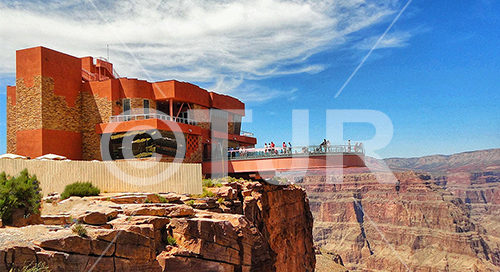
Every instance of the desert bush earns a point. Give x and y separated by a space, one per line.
80 189
33 267
171 241
20 192
208 183
79 229
207 193
218 181
161 199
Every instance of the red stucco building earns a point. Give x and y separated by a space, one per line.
67 105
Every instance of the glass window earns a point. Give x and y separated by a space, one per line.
237 123
146 108
126 106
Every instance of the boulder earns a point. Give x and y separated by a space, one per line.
20 218
172 197
72 244
225 192
93 218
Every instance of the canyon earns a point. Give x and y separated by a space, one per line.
441 214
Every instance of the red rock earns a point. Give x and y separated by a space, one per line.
72 244
224 192
165 210
181 263
171 197
20 218
56 219
93 218
157 221
132 245
259 238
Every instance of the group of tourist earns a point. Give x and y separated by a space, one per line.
271 148
325 146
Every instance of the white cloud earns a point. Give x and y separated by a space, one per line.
391 40
222 43
251 92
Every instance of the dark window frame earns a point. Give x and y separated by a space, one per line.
146 108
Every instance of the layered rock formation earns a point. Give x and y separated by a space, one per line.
251 227
414 225
474 177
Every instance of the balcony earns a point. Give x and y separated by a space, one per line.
143 116
259 153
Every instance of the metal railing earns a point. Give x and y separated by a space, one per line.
253 153
246 133
142 116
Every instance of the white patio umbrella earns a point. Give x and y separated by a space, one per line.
51 157
11 156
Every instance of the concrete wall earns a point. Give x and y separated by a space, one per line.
143 176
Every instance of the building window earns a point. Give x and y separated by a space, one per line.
237 123
218 119
126 106
146 108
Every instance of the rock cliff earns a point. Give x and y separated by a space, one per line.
246 226
413 225
474 177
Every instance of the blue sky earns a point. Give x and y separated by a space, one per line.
435 74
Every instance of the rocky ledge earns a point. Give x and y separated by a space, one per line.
244 226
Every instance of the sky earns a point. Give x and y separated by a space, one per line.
434 74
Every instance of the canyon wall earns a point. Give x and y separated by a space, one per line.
413 225
474 177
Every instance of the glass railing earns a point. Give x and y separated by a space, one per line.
246 133
253 153
142 116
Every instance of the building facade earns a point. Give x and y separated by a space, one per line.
79 108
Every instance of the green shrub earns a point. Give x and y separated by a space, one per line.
33 267
207 193
218 182
162 199
79 229
220 200
80 189
21 192
208 183
171 241
190 202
